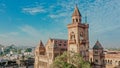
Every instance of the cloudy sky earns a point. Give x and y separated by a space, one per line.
25 22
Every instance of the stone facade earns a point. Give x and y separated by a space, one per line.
44 55
78 41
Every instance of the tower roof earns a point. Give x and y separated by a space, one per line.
97 45
41 44
76 12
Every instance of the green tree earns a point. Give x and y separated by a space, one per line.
28 50
76 61
6 51
2 54
19 51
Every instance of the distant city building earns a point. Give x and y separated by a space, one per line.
1 49
78 41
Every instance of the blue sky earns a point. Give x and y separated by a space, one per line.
25 22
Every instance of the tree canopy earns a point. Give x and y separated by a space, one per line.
28 50
75 61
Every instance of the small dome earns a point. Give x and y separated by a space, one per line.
97 45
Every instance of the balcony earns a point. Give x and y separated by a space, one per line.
72 41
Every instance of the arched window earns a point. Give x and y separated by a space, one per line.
111 62
119 63
76 20
105 61
72 36
96 52
90 59
108 61
73 20
115 61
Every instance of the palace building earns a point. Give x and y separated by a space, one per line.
78 41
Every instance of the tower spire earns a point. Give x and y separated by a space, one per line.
76 16
76 12
41 44
97 45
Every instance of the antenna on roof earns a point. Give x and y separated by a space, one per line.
86 5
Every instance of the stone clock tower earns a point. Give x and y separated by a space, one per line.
78 39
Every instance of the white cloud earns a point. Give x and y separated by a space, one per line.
27 35
103 16
33 10
30 39
30 30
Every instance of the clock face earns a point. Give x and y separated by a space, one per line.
73 47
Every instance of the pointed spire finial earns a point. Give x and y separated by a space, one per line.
97 45
76 12
76 2
76 5
41 44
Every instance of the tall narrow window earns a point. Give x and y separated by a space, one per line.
119 63
73 20
90 59
111 62
76 20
